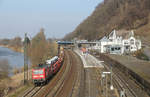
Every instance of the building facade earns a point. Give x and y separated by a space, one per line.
117 44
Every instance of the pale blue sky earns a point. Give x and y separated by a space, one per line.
57 17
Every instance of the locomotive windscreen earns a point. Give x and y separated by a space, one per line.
38 71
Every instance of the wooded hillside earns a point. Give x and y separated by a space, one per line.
115 14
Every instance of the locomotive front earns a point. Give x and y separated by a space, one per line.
38 76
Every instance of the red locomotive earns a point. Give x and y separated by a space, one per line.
41 74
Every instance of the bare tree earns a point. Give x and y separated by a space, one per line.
40 49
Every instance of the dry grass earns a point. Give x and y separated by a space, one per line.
114 14
14 84
144 33
16 79
140 55
13 81
19 90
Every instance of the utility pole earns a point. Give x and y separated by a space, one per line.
26 42
25 47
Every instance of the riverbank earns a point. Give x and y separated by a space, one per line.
12 58
12 83
14 48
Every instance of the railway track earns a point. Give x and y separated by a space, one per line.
32 91
128 90
121 84
124 83
131 86
124 87
55 83
62 84
68 82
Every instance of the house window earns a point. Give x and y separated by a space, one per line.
126 43
112 49
137 43
132 41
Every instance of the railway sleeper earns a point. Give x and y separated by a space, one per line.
132 75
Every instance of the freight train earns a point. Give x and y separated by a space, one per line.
42 73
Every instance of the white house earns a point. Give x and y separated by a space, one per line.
118 44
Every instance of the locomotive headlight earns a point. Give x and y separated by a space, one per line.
41 76
35 76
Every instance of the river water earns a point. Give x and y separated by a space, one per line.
15 59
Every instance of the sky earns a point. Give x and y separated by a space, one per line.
57 17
